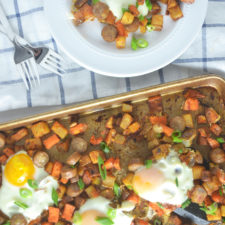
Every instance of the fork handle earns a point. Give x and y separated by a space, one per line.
6 25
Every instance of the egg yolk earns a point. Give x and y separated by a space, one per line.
89 217
19 169
146 180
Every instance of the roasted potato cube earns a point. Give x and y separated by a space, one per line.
127 108
155 8
127 18
176 12
171 4
222 210
128 180
109 181
61 191
120 139
94 155
157 22
143 29
91 192
133 128
212 116
126 121
188 120
33 144
85 160
215 217
59 129
211 186
198 194
110 136
96 181
19 135
197 171
40 129
121 42
109 123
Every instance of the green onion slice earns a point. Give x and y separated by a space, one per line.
103 171
104 220
186 204
104 147
25 193
32 183
160 205
134 43
7 223
220 140
148 163
81 184
77 219
55 197
176 137
150 27
21 204
177 182
95 1
141 17
111 213
211 209
157 222
116 189
142 43
148 4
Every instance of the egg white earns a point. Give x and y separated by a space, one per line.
40 200
102 205
170 191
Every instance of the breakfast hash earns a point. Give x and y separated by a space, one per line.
121 17
124 167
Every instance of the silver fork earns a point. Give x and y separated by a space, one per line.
23 57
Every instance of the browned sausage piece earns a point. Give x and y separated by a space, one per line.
198 194
135 164
80 3
73 190
174 220
177 123
78 18
217 155
18 219
134 26
41 159
73 159
2 140
109 33
78 144
100 10
67 172
79 201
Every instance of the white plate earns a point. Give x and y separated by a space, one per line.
85 45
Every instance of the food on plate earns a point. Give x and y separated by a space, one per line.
129 165
121 17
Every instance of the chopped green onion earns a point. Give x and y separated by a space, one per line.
180 151
223 220
6 223
150 27
25 193
104 220
220 140
148 163
186 204
81 184
104 147
103 172
32 183
95 1
73 166
160 205
137 5
142 43
176 137
21 204
129 187
77 219
124 10
116 189
221 192
157 222
134 43
141 17
111 213
210 210
148 4
176 181
55 197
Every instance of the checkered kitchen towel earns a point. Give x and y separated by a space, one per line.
206 55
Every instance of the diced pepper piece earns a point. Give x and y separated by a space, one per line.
204 131
78 129
51 141
109 123
40 129
64 180
201 119
167 130
19 134
212 116
213 143
110 18
217 197
141 222
53 215
68 212
56 169
59 129
121 30
216 129
95 141
156 208
8 151
191 104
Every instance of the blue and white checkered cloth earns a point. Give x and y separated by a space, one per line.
206 55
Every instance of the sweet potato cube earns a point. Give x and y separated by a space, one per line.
68 212
127 108
120 139
176 12
157 22
33 144
53 215
127 18
51 141
109 181
59 129
126 121
56 169
40 129
188 120
197 171
78 129
216 216
91 192
211 115
109 123
94 156
19 134
121 42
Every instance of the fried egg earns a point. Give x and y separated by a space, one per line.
17 196
166 181
117 6
100 208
